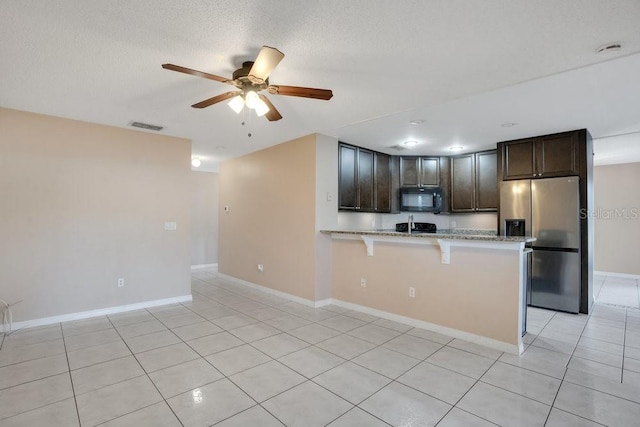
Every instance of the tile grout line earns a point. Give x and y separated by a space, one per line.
372 322
243 311
224 376
73 390
342 363
567 367
455 405
148 377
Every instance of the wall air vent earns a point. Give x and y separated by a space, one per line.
146 126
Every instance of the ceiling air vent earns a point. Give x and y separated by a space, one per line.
146 126
611 47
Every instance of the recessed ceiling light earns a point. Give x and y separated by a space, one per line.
508 124
416 122
410 143
456 148
609 47
195 162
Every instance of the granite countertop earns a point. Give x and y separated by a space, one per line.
457 234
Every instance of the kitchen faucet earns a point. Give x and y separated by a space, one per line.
410 224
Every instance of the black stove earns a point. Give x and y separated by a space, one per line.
420 227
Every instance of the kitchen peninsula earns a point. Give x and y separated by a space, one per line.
469 284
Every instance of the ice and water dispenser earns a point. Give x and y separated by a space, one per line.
514 227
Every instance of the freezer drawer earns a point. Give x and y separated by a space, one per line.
555 280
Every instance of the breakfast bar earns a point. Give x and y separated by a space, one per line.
469 284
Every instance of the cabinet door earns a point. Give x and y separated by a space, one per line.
409 171
429 171
445 183
518 159
365 181
557 155
382 175
486 181
347 190
462 183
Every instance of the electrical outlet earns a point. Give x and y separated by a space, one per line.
412 292
121 282
260 268
363 282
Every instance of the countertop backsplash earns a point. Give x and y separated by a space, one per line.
373 221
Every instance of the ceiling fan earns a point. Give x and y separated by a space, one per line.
252 78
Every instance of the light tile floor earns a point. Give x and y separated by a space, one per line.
240 357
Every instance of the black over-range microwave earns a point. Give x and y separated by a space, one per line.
421 199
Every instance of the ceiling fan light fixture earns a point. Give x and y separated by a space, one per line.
251 99
236 104
261 108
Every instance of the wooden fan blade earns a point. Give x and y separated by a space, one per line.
264 64
197 73
216 99
304 92
273 114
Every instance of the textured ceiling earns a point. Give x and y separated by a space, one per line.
463 66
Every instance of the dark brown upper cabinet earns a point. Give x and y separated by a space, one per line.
382 187
419 171
474 184
347 177
364 180
541 157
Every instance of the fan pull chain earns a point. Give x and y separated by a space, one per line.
244 121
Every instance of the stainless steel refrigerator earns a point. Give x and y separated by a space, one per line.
547 209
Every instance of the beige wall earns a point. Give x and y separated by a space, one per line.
617 218
326 211
464 295
204 218
85 204
271 196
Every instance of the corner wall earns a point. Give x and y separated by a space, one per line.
85 204
617 218
271 196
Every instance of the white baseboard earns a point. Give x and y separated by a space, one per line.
477 339
205 266
100 312
280 294
456 333
621 275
